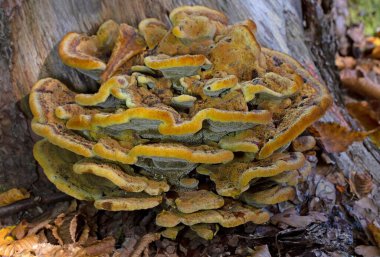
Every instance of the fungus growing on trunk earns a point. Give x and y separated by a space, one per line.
196 119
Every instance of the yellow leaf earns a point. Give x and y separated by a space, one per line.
5 237
13 195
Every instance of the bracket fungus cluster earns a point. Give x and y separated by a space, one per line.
195 118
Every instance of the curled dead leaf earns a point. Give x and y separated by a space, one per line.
361 184
336 138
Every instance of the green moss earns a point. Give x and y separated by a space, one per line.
367 12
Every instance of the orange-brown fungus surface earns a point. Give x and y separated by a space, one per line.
196 117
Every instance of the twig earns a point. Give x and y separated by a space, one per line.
31 203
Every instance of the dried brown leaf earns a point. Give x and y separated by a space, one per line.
365 113
79 229
105 246
361 184
46 249
360 81
292 218
343 62
15 247
20 230
336 138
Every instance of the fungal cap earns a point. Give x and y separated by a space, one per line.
216 86
108 88
245 141
162 62
127 204
192 201
177 14
230 215
57 165
205 231
128 182
274 195
153 30
46 95
192 154
184 101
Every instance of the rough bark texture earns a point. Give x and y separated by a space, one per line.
30 31
320 32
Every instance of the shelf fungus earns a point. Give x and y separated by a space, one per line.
87 53
196 118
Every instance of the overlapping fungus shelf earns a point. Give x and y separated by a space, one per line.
196 117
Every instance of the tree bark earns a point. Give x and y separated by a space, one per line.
30 31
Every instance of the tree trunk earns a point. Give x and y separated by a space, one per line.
30 31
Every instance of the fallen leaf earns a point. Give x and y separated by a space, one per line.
105 246
367 251
336 138
13 195
365 211
5 235
345 62
374 228
46 249
292 218
360 184
340 188
360 82
366 115
16 247
20 230
375 42
376 52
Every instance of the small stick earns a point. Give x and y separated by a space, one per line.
31 203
